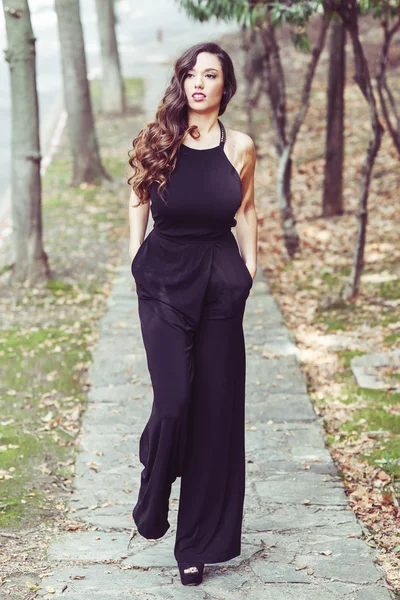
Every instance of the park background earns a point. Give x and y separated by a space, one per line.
348 349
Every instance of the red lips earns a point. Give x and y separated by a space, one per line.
198 94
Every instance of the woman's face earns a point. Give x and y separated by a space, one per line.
206 79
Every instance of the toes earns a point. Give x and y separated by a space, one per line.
191 570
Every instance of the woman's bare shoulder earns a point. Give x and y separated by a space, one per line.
243 142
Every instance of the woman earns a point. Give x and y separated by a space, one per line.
192 284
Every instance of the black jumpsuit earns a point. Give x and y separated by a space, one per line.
192 285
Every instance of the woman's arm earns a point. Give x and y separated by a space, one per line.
138 219
246 217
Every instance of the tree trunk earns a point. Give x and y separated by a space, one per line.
283 195
332 203
276 95
86 165
252 69
31 264
113 96
348 12
274 84
388 106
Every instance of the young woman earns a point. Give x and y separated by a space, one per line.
192 281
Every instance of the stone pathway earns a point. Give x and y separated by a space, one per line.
300 540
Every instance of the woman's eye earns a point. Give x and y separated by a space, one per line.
208 75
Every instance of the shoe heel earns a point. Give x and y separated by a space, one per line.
193 578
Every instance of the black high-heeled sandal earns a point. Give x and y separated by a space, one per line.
193 577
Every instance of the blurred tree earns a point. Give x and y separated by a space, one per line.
253 69
332 201
113 95
349 11
86 162
31 261
385 11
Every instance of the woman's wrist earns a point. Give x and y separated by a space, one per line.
252 267
133 248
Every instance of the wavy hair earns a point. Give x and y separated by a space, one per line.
155 148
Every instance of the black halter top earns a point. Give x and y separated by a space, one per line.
202 196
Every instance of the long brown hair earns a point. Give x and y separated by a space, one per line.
156 146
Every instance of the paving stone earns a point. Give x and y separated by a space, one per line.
276 375
257 590
100 578
279 572
279 407
366 368
217 581
280 342
171 592
89 546
350 559
94 440
161 555
298 517
113 415
121 394
297 487
371 593
307 591
114 517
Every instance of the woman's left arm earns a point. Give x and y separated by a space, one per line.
246 217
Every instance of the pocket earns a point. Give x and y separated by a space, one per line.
247 272
139 250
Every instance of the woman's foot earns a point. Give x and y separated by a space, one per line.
191 574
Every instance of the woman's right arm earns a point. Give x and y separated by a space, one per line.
138 219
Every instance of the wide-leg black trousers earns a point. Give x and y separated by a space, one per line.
191 299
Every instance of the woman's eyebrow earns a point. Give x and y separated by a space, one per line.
209 69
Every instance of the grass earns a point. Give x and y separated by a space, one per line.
390 289
133 87
41 385
370 409
373 415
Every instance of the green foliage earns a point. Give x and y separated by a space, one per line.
294 13
203 10
380 8
301 41
251 13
